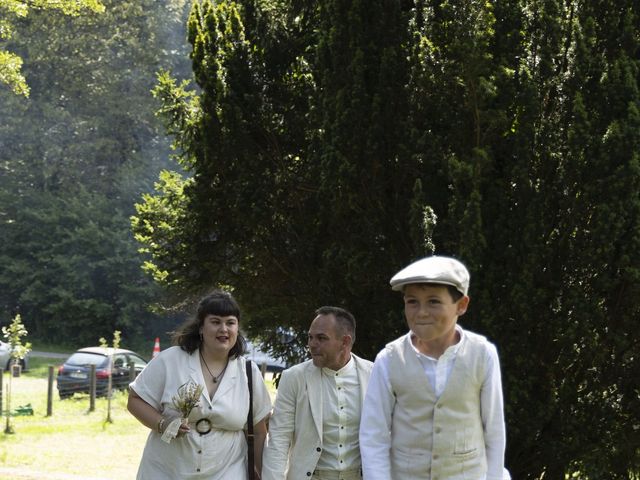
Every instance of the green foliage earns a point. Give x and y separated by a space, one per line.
115 344
157 231
10 11
73 159
13 334
325 139
82 285
10 65
253 123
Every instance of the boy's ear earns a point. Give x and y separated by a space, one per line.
463 303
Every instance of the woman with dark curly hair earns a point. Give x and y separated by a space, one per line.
210 444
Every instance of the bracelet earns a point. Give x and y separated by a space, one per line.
160 425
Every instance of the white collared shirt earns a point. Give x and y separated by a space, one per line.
378 409
439 369
340 418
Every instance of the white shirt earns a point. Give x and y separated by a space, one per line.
340 418
377 412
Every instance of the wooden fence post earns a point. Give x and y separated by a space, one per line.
50 392
92 388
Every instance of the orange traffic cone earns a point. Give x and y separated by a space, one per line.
156 348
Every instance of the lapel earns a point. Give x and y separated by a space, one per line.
313 378
229 378
195 372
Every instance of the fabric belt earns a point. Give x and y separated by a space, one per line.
351 474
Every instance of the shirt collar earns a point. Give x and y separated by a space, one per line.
463 338
348 368
452 350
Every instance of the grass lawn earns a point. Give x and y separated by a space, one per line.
72 443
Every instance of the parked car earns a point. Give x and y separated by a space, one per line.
73 374
5 357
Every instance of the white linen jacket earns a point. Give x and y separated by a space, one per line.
294 443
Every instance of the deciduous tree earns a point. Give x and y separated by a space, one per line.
10 12
73 158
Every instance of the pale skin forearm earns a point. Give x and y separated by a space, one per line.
148 415
145 413
260 432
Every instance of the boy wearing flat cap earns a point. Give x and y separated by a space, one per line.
433 409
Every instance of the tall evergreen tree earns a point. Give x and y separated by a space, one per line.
333 142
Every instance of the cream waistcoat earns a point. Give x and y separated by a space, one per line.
435 438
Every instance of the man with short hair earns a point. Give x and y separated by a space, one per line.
313 432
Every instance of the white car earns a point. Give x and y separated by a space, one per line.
5 357
259 357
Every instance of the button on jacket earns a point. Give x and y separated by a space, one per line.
295 440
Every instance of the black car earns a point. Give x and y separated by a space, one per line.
73 375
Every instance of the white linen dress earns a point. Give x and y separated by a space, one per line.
220 454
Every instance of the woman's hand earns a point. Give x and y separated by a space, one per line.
184 428
169 418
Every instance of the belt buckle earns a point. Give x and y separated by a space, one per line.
203 426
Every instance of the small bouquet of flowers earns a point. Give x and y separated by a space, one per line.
187 399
